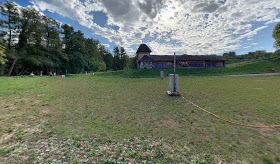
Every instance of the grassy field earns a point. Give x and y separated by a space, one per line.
132 120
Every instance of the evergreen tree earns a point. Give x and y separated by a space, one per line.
53 45
107 58
92 55
9 31
68 32
77 50
116 65
33 52
10 23
124 59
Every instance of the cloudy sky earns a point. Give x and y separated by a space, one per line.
167 26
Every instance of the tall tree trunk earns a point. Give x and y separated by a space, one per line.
12 67
22 71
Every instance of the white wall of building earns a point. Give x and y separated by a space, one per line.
139 56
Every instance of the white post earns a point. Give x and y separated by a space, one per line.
174 62
175 73
161 74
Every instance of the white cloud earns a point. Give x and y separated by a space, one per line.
106 45
189 26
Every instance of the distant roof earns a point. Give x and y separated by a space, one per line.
163 58
143 48
170 58
200 57
146 59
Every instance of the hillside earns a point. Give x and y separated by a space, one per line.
248 67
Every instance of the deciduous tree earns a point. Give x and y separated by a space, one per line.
276 36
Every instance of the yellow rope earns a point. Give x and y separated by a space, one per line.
229 121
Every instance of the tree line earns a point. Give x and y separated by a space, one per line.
231 57
32 42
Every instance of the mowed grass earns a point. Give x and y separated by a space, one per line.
79 119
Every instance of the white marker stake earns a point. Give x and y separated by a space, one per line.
174 62
175 72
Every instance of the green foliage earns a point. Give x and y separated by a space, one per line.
276 54
120 60
10 23
2 55
109 60
132 63
117 59
98 66
123 59
41 47
10 27
102 66
33 62
276 36
231 57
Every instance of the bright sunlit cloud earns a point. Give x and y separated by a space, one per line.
190 26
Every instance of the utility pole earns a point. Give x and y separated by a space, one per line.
175 87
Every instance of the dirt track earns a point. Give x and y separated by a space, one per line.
263 74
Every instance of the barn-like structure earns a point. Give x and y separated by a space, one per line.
146 61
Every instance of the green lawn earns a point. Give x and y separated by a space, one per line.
109 119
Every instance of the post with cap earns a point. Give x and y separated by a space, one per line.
174 81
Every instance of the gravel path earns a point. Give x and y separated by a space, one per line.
263 74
